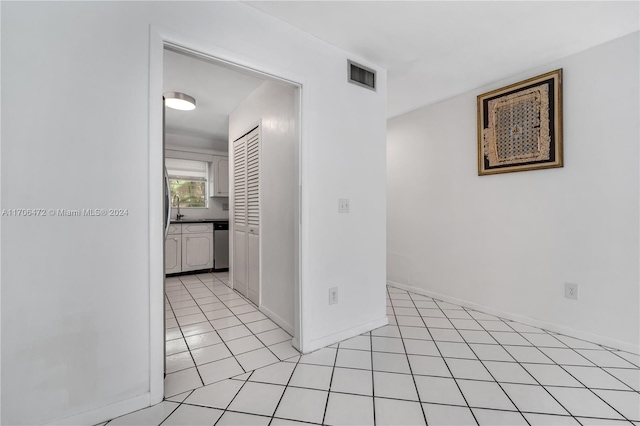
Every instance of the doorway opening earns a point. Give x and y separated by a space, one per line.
231 247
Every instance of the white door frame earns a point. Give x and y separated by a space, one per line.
158 39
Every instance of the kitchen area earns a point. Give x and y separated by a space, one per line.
230 164
199 97
197 243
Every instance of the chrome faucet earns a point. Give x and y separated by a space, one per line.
178 215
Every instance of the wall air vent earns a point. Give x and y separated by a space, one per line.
362 76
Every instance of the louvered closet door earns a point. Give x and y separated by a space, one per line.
240 215
253 216
246 215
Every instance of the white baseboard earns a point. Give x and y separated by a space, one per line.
322 342
275 318
108 412
296 344
556 328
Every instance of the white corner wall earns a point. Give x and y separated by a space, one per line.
76 134
509 242
276 106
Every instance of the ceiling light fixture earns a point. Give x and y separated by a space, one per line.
181 101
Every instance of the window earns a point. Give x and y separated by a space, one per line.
188 182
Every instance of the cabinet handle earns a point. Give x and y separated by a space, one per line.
175 239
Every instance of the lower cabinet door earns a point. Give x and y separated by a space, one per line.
172 254
197 251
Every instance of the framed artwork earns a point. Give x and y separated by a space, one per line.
520 126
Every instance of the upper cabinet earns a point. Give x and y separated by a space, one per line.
219 177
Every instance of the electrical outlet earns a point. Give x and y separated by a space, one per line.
225 206
343 205
571 291
333 295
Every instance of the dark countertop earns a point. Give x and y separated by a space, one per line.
173 221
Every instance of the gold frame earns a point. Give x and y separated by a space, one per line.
555 99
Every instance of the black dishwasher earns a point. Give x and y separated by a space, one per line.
221 246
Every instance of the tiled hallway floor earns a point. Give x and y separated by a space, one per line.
435 363
213 333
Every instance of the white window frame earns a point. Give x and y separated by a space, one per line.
191 178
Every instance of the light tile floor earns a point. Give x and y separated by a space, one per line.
213 333
435 363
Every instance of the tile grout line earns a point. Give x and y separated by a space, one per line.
423 375
251 331
516 345
440 352
507 323
195 300
588 366
233 315
285 388
214 329
518 362
180 328
326 404
492 360
501 410
484 366
525 369
446 358
566 346
506 320
185 341
179 405
515 361
482 362
373 383
234 397
424 414
579 381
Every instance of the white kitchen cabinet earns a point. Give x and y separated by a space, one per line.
173 250
197 228
188 247
197 251
219 177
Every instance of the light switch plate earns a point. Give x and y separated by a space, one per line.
343 205
571 291
333 295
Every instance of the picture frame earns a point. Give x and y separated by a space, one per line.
520 126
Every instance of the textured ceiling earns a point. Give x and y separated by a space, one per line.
436 50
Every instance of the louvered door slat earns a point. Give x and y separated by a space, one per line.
240 183
253 181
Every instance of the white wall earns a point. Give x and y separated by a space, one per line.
277 106
509 242
76 291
